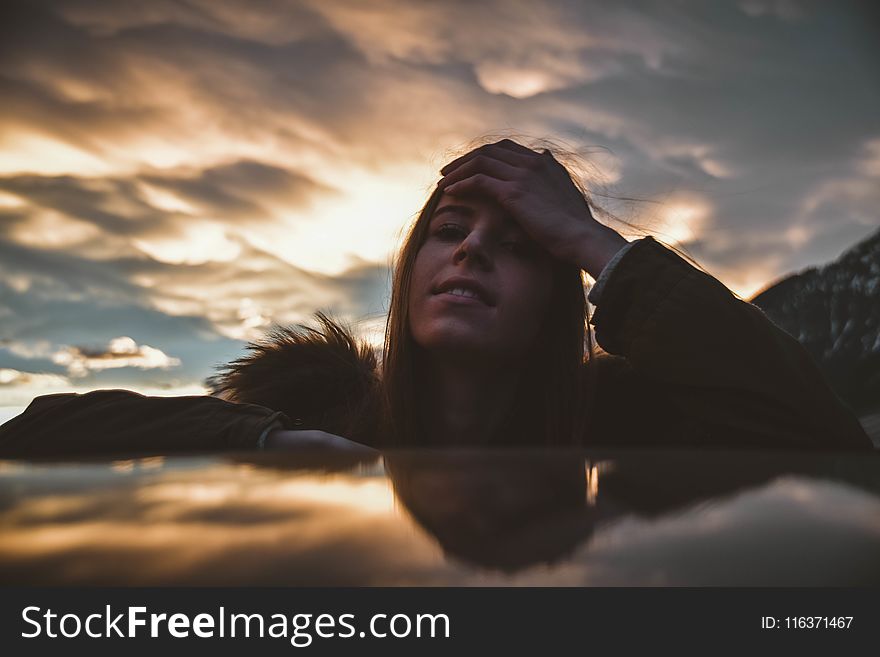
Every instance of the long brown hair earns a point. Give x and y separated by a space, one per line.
552 397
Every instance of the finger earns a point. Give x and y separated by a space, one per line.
482 184
498 151
481 164
515 147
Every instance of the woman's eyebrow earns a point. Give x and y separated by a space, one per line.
454 209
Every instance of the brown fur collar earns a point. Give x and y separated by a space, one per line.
321 378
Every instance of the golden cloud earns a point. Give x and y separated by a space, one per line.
119 352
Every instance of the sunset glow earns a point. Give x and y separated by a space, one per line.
184 178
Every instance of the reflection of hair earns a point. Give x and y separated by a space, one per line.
552 395
514 510
323 378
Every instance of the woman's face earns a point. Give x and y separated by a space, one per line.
479 283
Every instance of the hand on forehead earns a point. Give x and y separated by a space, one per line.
474 207
539 193
506 150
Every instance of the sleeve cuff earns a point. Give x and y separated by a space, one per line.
596 292
261 441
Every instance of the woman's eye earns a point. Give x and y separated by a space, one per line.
450 231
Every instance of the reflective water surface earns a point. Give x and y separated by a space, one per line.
446 518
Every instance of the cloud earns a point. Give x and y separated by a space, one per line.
182 319
258 289
242 190
784 9
19 387
10 377
238 194
119 352
516 48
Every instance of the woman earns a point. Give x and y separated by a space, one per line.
504 364
486 344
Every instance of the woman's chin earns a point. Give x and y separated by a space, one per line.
455 337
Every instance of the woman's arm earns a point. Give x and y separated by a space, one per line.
108 422
719 360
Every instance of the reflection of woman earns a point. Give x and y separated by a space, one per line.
505 511
486 344
512 509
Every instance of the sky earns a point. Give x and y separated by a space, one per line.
178 176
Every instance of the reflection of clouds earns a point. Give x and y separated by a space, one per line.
215 524
789 532
200 521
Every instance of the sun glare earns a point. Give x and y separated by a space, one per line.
361 224
682 220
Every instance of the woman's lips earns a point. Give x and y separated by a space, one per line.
459 299
467 286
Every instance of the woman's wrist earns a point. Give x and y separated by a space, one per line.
312 439
595 296
595 248
292 439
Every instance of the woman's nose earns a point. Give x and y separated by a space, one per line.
473 248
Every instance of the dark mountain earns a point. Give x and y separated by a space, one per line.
834 311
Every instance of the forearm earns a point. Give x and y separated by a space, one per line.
718 358
124 422
313 440
595 246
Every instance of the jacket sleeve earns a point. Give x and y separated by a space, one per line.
718 360
108 422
